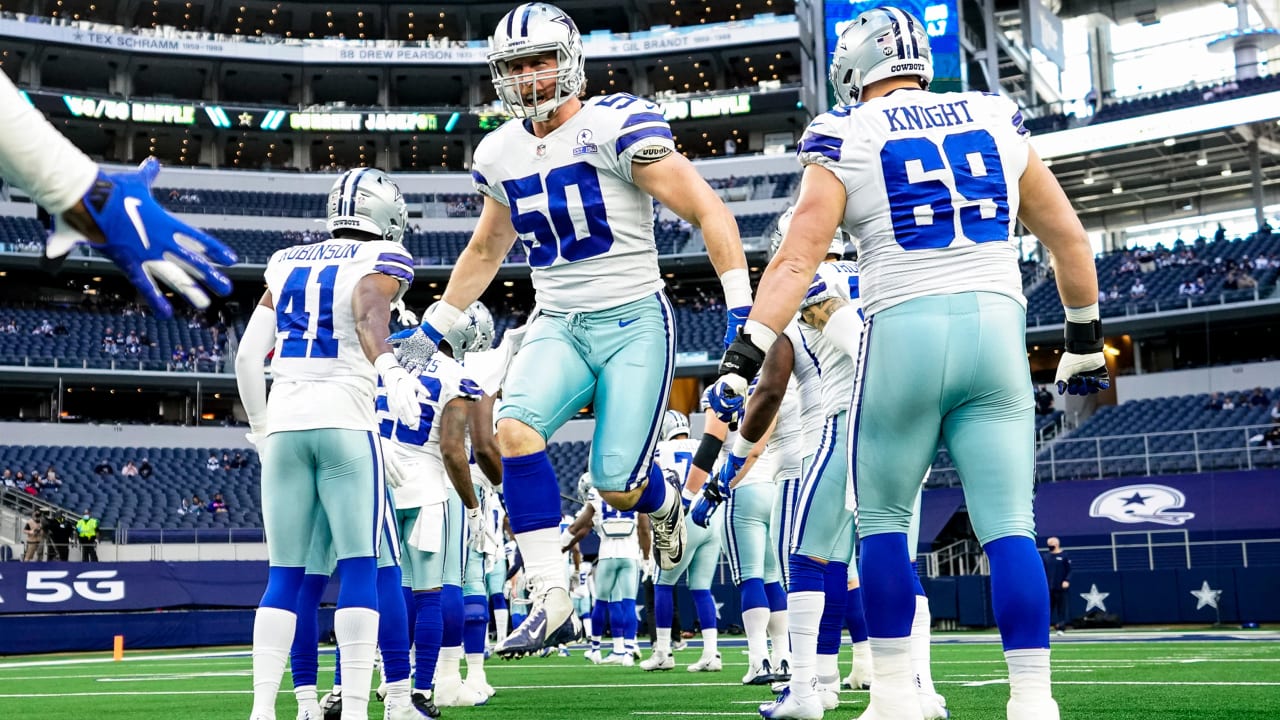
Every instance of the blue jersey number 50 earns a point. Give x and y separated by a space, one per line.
923 210
557 235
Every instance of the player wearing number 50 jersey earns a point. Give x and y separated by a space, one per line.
326 315
931 184
574 181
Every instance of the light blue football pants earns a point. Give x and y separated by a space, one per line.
747 535
422 570
952 367
619 360
335 471
824 526
617 579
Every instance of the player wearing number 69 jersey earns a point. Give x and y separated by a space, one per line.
573 180
931 185
326 314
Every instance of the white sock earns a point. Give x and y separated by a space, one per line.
893 677
305 695
756 622
449 665
1028 675
828 670
357 631
586 625
619 644
272 637
662 643
398 693
862 656
709 638
501 619
475 667
805 611
544 564
920 652
779 641
670 501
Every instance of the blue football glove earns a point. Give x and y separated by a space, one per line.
702 511
724 400
736 317
126 224
717 487
1082 374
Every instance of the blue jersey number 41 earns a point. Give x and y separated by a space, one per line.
294 314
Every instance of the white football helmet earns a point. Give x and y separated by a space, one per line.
837 246
880 43
674 423
536 29
472 332
367 200
585 487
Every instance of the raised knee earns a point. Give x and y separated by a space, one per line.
515 439
622 500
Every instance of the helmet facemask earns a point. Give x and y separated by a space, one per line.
537 30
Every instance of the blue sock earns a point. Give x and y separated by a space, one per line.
475 610
752 592
891 599
632 623
410 608
617 620
831 623
807 574
452 615
654 493
427 636
282 588
598 615
855 615
1019 592
498 601
533 494
304 660
777 596
705 604
393 624
664 606
359 582
337 668
915 573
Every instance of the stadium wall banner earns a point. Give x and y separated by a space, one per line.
604 45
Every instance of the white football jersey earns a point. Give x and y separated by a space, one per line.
836 368
676 456
586 226
804 368
321 378
787 441
953 161
419 449
617 530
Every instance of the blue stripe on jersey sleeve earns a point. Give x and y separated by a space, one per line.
825 145
635 136
392 257
643 117
817 286
1017 124
478 178
395 271
469 389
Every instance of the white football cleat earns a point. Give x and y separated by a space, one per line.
707 664
679 645
480 686
761 674
592 656
419 707
792 707
381 692
829 696
310 711
933 706
452 692
669 533
894 708
659 660
1044 710
624 659
550 612
859 678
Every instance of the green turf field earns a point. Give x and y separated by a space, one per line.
1094 680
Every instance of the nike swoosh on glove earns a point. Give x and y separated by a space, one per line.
1082 374
145 241
734 319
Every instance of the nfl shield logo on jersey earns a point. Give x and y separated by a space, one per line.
1141 504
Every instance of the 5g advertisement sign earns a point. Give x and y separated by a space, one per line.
942 23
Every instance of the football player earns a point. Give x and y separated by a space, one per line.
701 557
113 213
624 551
944 305
574 181
326 313
437 507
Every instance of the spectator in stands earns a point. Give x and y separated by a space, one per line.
33 534
1259 398
87 532
1114 293
145 340
1232 281
212 463
6 478
1220 234
1215 402
1044 401
238 461
60 330
1137 290
1246 280
179 357
51 481
217 504
1200 286
11 327
1275 413
1260 262
45 328
215 359
104 468
144 469
201 361
1057 570
58 533
1146 260
226 461
129 470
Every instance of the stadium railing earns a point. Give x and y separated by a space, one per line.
1172 550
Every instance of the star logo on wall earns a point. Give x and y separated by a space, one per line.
718 606
1206 596
1094 599
246 120
1136 499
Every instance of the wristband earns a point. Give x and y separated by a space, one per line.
1083 330
385 362
759 334
441 318
742 447
737 287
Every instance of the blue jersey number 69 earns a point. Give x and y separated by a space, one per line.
554 233
977 173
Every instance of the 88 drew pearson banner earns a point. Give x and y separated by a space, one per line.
942 23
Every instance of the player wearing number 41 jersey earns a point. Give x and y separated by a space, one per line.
931 185
326 315
574 181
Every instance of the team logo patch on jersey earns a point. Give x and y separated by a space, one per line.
1142 504
584 143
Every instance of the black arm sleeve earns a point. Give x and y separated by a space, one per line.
708 451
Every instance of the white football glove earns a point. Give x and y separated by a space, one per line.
475 529
647 570
392 471
1082 374
404 393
